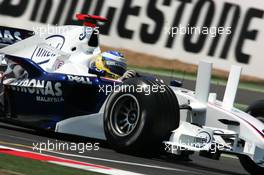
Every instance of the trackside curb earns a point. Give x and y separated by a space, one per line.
63 161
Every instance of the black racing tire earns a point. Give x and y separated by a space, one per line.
257 110
151 117
2 98
250 165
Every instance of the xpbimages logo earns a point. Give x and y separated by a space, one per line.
64 146
145 89
187 146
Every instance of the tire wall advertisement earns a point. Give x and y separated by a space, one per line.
225 32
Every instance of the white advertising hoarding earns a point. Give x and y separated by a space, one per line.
225 32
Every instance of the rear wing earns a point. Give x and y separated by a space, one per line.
9 35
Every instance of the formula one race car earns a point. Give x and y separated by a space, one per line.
46 83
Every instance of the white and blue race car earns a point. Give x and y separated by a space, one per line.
47 84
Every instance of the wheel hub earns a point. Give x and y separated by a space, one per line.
132 117
125 115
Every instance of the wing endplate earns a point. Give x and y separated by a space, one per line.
231 87
203 81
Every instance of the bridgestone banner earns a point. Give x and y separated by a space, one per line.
225 32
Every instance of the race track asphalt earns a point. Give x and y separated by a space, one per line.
162 165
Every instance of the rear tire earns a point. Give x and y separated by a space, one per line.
151 117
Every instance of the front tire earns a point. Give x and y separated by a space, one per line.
138 123
257 110
250 165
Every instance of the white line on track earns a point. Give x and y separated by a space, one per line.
106 160
75 164
201 172
117 161
121 162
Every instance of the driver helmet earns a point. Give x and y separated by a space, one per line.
113 63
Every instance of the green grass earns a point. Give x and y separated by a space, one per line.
241 106
258 87
12 165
